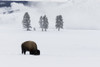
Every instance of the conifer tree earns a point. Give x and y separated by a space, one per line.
43 23
59 22
26 21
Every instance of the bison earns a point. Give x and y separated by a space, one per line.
31 47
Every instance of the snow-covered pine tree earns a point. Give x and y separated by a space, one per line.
59 22
45 23
41 22
26 21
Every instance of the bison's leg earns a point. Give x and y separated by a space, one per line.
24 52
30 52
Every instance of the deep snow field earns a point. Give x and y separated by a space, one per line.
65 48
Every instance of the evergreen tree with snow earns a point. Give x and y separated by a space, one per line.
59 22
26 21
43 23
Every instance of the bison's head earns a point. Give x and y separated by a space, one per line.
35 52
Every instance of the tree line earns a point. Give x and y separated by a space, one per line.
43 22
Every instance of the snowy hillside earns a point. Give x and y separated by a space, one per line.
77 14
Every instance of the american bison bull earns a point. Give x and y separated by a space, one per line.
31 47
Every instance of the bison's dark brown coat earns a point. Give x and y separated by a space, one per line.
31 47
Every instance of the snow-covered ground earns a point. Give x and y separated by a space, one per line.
65 48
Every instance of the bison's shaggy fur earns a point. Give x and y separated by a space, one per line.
31 47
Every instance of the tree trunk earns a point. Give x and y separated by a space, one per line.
45 29
42 29
58 29
28 29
